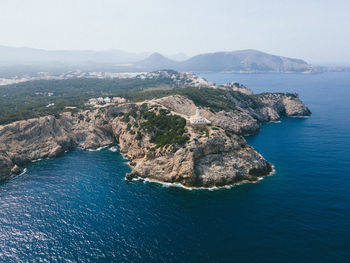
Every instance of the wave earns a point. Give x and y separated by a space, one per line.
97 149
23 172
279 121
212 188
113 149
36 160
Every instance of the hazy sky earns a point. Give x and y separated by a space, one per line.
315 30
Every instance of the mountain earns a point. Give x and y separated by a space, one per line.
238 61
244 60
154 62
20 61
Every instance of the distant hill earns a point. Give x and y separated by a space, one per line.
244 60
238 61
154 62
20 61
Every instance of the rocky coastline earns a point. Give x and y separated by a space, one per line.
212 155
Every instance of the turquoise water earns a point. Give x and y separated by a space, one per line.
79 208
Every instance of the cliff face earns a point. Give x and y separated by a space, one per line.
245 119
215 156
47 137
210 157
201 156
207 160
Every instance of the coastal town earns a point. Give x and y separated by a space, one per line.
79 74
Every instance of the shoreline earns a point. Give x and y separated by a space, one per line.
115 148
212 188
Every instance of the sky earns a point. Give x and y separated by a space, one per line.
317 31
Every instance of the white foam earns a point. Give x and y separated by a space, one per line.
113 149
98 149
213 188
36 160
279 121
24 171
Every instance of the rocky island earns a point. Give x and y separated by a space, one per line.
154 131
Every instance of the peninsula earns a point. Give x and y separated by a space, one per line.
182 130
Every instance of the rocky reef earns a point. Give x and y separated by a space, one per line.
157 137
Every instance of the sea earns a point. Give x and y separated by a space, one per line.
79 208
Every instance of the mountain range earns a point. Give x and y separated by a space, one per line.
243 61
239 61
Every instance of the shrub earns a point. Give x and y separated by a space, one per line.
138 136
165 129
201 129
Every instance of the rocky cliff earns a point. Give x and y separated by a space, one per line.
48 137
157 138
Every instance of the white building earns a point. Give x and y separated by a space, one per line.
118 100
91 101
197 119
107 100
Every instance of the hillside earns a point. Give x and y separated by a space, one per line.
244 60
238 61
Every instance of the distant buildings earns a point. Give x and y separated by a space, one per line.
107 100
97 102
118 100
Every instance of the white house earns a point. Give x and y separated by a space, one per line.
118 100
92 101
107 100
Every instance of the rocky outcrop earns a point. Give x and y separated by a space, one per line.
48 137
219 156
235 87
205 156
211 157
245 119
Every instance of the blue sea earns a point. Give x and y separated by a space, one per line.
79 208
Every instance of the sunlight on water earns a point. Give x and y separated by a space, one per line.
79 208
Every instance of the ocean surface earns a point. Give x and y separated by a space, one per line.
79 208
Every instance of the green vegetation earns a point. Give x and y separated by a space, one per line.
201 129
166 129
214 99
50 97
292 95
29 99
138 136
